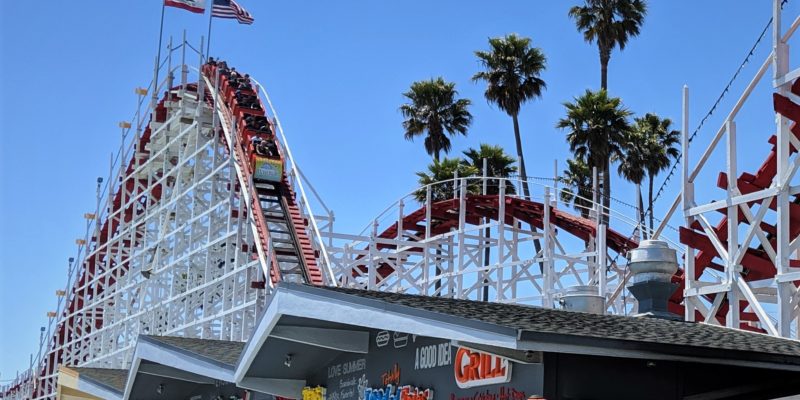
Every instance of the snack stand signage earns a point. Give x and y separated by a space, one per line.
399 366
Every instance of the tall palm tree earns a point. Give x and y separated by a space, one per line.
632 167
662 148
578 179
596 127
610 23
500 165
435 110
443 172
512 73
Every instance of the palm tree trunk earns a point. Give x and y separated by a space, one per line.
606 201
650 199
605 55
524 175
640 206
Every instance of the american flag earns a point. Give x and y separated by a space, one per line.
230 9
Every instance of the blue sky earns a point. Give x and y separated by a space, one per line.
336 71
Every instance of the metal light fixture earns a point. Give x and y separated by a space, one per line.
288 361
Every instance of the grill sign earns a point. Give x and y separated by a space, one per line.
475 368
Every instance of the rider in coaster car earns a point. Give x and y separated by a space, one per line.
257 123
262 125
252 102
258 144
264 149
212 61
272 149
242 83
246 101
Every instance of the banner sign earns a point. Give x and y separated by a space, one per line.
267 169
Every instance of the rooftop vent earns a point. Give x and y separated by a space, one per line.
583 299
653 264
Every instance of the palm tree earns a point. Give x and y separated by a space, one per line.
578 178
500 165
597 126
512 73
610 23
662 148
435 110
440 177
632 167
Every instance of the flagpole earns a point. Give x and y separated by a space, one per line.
158 56
210 17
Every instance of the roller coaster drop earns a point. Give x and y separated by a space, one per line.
206 210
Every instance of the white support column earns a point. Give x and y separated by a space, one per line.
400 216
501 240
687 195
785 290
548 287
373 253
427 271
556 192
455 184
731 267
602 251
462 224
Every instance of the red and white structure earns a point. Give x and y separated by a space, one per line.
742 271
192 229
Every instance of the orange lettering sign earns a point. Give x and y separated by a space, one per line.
474 368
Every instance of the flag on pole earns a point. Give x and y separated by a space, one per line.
230 9
195 6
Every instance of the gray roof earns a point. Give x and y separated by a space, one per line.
218 351
114 379
548 325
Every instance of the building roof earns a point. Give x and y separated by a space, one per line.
217 351
536 323
111 378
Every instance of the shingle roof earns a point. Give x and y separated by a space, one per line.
533 321
111 378
221 351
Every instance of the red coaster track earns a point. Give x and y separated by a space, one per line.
278 218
